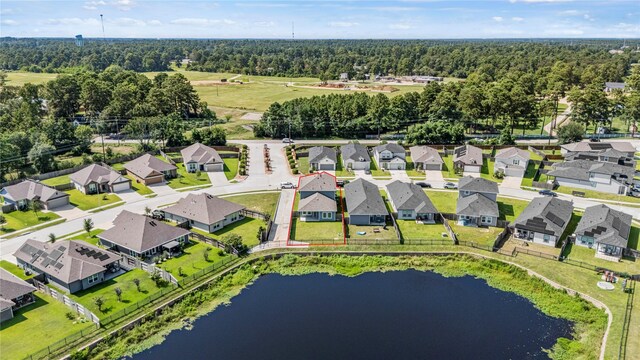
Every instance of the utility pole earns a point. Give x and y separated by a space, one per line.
102 22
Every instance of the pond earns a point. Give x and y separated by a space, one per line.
393 315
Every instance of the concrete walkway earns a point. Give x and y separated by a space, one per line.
282 219
217 178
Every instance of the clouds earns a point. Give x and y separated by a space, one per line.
497 18
400 26
201 22
344 24
9 22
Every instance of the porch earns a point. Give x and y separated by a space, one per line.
608 252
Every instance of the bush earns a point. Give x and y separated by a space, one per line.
498 174
70 315
295 171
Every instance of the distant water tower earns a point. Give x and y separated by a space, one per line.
79 40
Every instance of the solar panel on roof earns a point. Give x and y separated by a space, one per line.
103 257
554 219
616 224
47 262
536 224
55 255
600 146
59 266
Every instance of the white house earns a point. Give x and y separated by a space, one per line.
355 157
594 175
512 161
390 156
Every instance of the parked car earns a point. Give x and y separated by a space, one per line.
157 215
450 185
342 183
547 192
287 141
287 185
423 184
594 140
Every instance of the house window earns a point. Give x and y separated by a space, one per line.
546 238
93 278
516 162
326 215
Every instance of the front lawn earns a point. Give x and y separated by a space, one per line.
316 230
88 202
230 167
187 179
527 179
140 188
106 291
192 259
37 326
262 202
411 230
444 201
411 170
487 170
18 220
59 180
479 235
378 173
598 195
341 172
15 270
303 165
91 238
510 208
448 171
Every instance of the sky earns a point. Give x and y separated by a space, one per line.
413 19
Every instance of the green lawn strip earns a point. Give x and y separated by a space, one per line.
341 172
103 208
15 270
591 194
261 202
38 325
479 235
106 290
230 167
90 237
316 230
527 179
140 188
411 230
487 170
510 208
378 173
303 165
59 180
444 201
448 171
411 170
192 259
534 156
35 228
247 228
18 220
88 202
117 166
186 179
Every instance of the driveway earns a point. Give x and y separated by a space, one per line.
435 178
129 196
512 182
472 174
162 189
217 178
282 219
70 212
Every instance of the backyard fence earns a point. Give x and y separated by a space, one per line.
67 341
255 214
130 262
501 238
63 298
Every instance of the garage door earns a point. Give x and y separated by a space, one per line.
214 167
121 186
514 172
326 167
54 203
432 167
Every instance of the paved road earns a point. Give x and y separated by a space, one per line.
282 219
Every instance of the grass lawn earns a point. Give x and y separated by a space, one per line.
14 269
316 230
91 237
88 202
527 179
533 156
584 254
388 234
487 170
479 235
186 179
377 173
510 208
140 188
106 290
37 326
303 165
341 172
410 230
262 202
247 228
18 220
117 166
230 167
192 259
444 201
412 172
58 180
448 171
591 194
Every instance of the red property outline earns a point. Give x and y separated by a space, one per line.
295 195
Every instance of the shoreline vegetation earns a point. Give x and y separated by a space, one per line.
589 322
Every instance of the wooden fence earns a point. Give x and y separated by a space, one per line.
129 262
63 298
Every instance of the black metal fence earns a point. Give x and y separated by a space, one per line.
67 341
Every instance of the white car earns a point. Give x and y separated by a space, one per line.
287 141
287 185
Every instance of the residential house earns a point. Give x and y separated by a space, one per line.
355 157
14 294
365 204
148 169
410 202
611 86
69 265
20 196
141 236
467 158
322 158
344 77
593 175
477 204
586 146
201 157
543 221
609 155
204 211
426 158
512 161
96 179
390 156
317 197
604 229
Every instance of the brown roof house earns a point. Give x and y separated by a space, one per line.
204 211
141 236
69 265
201 157
14 294
426 158
317 197
148 169
20 195
96 179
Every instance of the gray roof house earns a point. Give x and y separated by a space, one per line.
512 161
426 158
594 175
140 236
467 158
95 179
355 157
148 169
390 156
477 204
622 146
543 221
20 195
322 158
201 157
14 294
469 185
411 202
605 229
365 204
70 265
317 197
609 155
204 211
